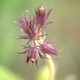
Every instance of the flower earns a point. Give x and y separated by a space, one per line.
28 27
33 29
41 16
47 48
33 53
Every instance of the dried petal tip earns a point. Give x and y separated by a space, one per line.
47 48
41 10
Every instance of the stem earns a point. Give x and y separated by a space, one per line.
50 64
48 59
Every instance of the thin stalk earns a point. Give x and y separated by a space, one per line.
48 59
50 64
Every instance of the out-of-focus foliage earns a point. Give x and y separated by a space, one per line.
6 74
66 13
41 74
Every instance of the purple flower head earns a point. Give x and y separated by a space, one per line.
28 27
35 33
33 53
41 16
47 48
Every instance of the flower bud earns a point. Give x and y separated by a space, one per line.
28 28
33 53
47 48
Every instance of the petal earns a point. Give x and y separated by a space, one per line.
48 13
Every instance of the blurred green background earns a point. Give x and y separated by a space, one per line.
66 33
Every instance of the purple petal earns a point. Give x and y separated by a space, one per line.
48 13
47 48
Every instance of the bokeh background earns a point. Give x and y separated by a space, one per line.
65 33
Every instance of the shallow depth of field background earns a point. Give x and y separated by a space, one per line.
65 33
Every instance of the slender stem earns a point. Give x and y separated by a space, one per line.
49 61
50 64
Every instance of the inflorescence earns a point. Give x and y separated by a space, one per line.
33 28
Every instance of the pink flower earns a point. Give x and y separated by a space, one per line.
41 16
48 49
33 29
33 54
28 27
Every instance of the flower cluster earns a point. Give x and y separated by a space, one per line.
33 28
